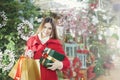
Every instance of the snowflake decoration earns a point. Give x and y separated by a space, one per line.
3 19
25 29
7 60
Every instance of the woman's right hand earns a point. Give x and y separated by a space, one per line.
29 53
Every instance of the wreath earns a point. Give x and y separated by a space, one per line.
3 19
7 60
25 29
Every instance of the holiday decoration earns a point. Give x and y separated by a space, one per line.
25 29
90 73
74 72
3 18
68 74
76 68
84 51
7 60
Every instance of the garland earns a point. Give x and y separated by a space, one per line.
7 60
25 29
3 19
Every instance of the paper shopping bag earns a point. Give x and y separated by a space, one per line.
25 69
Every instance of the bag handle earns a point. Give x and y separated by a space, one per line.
18 73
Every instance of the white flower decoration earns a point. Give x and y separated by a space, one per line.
4 19
95 20
104 17
25 29
7 60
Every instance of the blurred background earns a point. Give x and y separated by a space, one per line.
88 29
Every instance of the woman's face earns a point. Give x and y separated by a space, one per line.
47 30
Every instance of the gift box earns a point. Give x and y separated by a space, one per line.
49 56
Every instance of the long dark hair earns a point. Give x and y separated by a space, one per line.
52 22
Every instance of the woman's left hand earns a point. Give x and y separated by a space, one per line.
56 65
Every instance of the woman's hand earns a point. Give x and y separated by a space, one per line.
29 53
56 65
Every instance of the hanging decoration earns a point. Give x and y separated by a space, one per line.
3 19
25 29
7 60
84 51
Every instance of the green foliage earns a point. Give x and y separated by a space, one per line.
115 36
99 67
3 75
9 38
92 1
14 10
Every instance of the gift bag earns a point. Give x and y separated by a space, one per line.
25 69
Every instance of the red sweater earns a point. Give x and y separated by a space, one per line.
35 44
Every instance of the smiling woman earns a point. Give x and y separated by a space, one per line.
46 37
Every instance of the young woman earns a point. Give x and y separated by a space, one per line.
46 36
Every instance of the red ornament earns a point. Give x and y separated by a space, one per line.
67 74
93 5
90 73
76 68
85 51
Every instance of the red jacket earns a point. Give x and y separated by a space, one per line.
35 44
